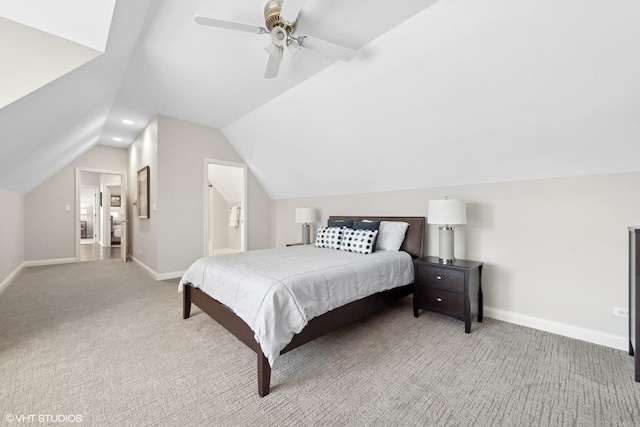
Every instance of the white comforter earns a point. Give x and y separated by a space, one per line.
277 291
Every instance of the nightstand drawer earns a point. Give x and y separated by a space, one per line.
444 278
438 299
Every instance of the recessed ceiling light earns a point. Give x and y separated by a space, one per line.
127 122
115 138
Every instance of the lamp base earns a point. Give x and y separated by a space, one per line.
446 245
306 234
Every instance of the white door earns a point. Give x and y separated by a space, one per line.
124 222
88 215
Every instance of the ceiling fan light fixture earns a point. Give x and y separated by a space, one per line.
279 36
281 21
293 47
274 51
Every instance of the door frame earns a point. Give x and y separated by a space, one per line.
243 211
123 192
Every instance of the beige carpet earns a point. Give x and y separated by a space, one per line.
104 341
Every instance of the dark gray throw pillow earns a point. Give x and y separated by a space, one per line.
348 223
366 225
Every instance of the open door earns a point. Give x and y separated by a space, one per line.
88 211
124 222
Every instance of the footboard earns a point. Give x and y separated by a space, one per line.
317 327
232 323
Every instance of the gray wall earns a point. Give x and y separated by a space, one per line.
11 234
50 231
555 250
234 234
219 220
176 150
143 236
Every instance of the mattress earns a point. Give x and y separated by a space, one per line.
278 291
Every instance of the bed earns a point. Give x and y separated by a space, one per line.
238 322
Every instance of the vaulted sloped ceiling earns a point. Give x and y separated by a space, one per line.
45 130
43 40
439 93
464 92
158 61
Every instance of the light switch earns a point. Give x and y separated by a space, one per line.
67 208
154 207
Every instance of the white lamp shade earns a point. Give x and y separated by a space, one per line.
305 215
449 211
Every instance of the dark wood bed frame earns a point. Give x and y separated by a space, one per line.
320 325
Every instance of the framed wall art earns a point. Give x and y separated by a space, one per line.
143 192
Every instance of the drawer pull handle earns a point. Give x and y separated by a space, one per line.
439 299
439 277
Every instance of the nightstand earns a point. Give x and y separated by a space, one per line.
452 289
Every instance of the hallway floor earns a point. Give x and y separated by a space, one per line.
95 252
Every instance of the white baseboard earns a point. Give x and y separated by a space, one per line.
168 276
225 251
38 263
146 268
49 262
589 335
156 275
5 283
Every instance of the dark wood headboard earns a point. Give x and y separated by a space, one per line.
412 240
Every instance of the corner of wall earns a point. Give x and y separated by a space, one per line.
12 230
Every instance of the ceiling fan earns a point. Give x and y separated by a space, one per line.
281 22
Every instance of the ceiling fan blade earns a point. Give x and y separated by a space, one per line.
291 9
229 25
275 58
326 48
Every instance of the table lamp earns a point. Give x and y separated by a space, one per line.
446 212
304 216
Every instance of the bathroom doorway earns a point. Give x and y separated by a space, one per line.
226 206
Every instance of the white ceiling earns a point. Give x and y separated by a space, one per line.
464 92
214 76
80 21
43 40
453 92
45 130
33 68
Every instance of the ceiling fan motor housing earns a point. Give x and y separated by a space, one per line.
273 19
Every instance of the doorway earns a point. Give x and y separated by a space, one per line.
101 213
226 206
89 214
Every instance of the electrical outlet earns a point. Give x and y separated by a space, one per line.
621 312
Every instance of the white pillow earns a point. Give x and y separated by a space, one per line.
391 235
